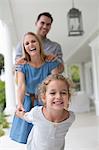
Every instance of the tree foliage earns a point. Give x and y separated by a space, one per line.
75 73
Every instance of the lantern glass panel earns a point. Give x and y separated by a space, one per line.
74 24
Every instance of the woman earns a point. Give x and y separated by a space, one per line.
29 76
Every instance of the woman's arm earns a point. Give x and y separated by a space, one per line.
61 68
20 90
58 70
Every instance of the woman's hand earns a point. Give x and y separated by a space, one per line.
50 57
21 60
19 114
20 108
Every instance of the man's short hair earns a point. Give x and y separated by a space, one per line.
47 14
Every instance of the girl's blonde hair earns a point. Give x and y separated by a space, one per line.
43 86
27 56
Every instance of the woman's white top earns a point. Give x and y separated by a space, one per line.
46 135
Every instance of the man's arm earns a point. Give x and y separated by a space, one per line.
19 58
18 51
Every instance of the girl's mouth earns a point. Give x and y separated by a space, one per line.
58 102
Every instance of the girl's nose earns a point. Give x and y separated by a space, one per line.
58 95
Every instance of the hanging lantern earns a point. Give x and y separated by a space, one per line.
75 27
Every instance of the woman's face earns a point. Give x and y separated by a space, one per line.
31 45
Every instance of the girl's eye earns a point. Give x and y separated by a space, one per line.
64 93
52 93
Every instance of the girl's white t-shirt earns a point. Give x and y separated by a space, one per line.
46 135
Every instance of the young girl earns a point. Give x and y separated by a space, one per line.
29 76
51 121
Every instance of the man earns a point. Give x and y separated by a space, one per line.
51 48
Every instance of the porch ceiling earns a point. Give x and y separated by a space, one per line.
24 14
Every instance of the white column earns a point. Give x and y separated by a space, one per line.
65 70
95 66
89 79
82 76
9 78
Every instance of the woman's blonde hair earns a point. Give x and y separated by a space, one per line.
27 56
43 86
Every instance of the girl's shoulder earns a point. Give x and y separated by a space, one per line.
36 109
34 114
71 115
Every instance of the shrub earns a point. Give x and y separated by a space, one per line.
1 132
3 124
3 120
2 95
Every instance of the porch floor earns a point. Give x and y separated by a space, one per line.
83 135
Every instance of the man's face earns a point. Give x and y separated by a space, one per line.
43 26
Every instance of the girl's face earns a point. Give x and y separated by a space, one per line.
31 45
57 95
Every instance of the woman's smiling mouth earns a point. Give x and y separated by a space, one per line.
33 49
